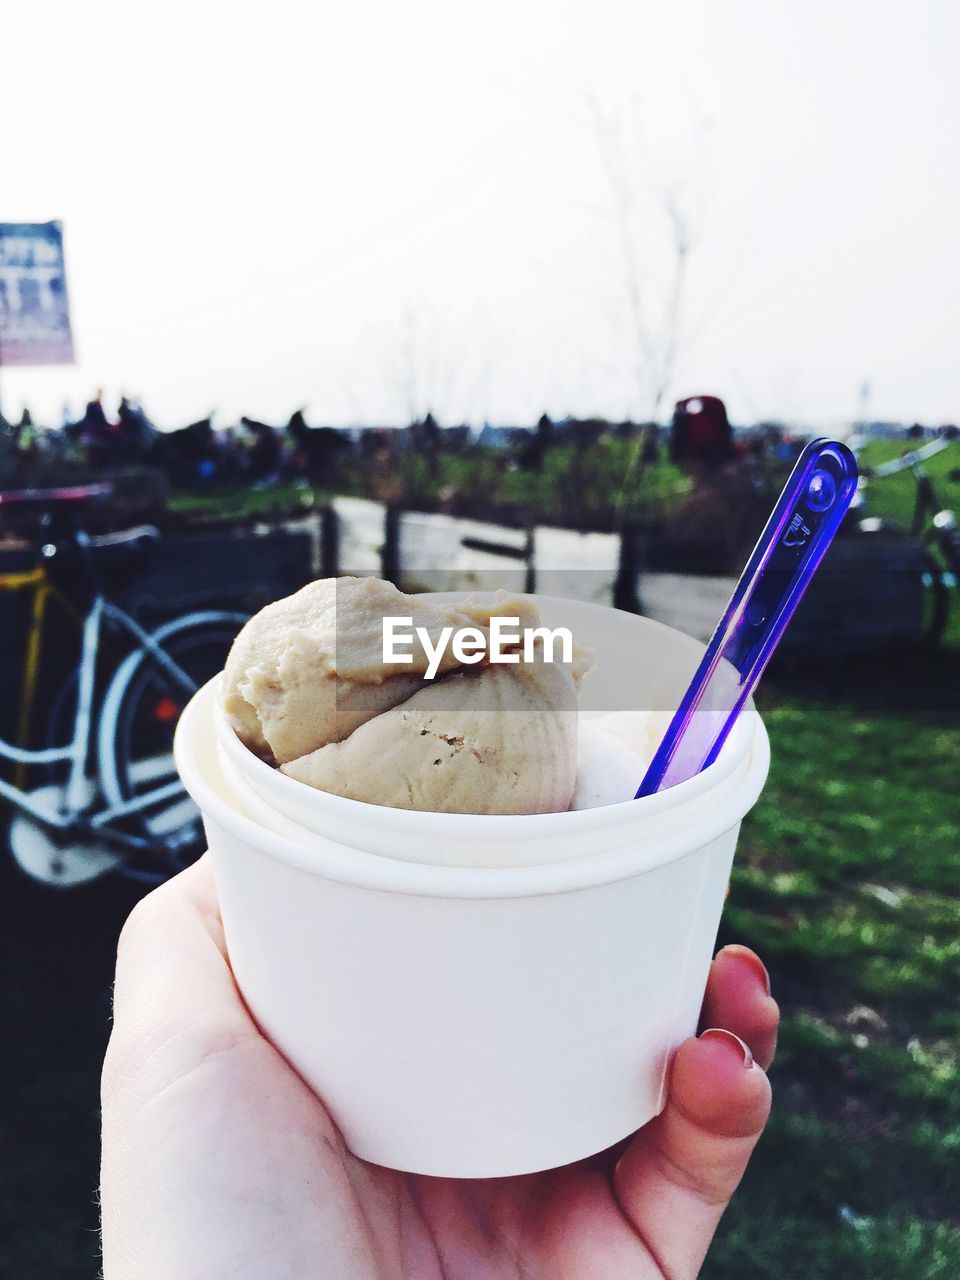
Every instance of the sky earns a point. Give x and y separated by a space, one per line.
368 210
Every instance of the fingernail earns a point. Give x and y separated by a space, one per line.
755 963
719 1033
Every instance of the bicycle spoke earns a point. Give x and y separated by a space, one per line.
173 669
152 769
139 803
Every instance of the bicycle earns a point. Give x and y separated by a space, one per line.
936 527
112 800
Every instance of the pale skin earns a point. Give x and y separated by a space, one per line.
219 1162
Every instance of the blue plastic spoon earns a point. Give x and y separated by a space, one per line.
800 529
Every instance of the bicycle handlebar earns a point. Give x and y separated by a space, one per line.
912 458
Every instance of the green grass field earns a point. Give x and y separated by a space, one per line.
240 502
847 883
588 489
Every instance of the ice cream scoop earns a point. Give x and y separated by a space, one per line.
307 687
308 669
502 739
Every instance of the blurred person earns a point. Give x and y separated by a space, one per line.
94 432
219 1162
134 432
264 451
94 420
532 452
317 452
185 454
27 440
298 440
427 441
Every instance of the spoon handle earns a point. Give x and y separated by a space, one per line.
796 536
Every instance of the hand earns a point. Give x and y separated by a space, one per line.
219 1162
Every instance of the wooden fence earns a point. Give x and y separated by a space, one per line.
867 597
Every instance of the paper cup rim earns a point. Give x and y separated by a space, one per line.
267 779
284 793
320 855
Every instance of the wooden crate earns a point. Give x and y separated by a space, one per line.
867 597
241 571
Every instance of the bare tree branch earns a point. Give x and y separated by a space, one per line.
655 321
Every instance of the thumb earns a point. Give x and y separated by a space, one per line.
675 1178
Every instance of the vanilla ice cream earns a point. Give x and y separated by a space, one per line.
614 749
308 669
307 688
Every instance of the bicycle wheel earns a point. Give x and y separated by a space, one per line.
62 860
59 859
139 717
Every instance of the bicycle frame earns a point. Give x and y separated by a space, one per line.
76 751
943 523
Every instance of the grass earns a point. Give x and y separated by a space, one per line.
587 489
241 501
846 882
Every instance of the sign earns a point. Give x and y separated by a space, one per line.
34 313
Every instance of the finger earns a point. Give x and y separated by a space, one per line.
677 1175
175 999
198 887
738 998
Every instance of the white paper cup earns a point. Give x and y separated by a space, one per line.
478 1021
